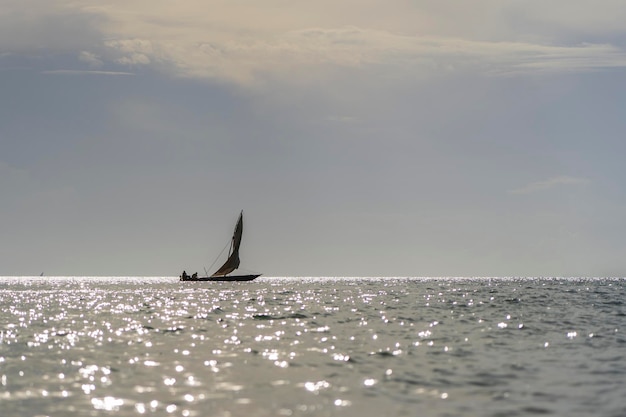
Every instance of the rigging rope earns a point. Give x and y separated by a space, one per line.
218 256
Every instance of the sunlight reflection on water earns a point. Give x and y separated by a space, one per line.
311 346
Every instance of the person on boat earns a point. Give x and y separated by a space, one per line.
184 276
194 276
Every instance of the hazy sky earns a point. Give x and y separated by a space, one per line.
361 137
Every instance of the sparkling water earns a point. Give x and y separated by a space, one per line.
83 346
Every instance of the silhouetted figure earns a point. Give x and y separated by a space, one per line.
194 276
184 276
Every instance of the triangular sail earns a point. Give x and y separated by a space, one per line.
232 262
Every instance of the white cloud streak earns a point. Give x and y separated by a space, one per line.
84 72
550 183
91 59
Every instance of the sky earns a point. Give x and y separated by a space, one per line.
361 138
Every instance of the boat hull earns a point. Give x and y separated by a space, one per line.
224 278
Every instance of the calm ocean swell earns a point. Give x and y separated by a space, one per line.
87 346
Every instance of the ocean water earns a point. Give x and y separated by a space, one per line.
87 346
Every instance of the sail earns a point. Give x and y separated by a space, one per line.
232 262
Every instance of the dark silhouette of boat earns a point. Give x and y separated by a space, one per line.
231 264
222 278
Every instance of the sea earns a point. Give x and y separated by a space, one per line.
309 347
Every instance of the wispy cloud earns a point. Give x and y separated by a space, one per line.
243 58
85 72
553 182
221 40
92 59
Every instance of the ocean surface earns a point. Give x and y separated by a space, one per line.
96 346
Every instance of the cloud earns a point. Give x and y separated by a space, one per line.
549 183
39 27
92 59
244 41
85 72
132 52
311 50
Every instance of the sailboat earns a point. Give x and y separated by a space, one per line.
231 264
